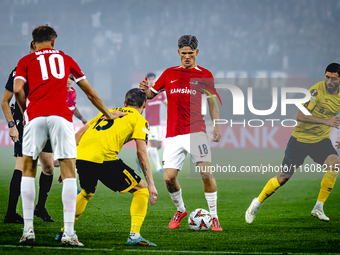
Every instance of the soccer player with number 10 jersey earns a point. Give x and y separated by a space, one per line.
46 71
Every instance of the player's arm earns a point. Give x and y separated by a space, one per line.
79 116
80 133
214 114
332 122
19 93
145 166
6 98
97 101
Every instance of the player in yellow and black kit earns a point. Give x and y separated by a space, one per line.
311 138
98 144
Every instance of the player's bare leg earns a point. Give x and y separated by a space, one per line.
175 192
28 197
14 193
69 197
139 206
210 192
45 183
327 185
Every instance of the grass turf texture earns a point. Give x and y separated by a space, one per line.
283 224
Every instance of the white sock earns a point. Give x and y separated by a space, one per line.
28 197
134 235
319 205
153 153
212 203
69 197
178 200
257 202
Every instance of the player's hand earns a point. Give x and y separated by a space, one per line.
144 84
217 135
153 194
84 121
59 179
333 122
116 114
337 144
14 134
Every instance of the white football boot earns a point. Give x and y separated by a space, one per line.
252 210
70 240
318 213
27 237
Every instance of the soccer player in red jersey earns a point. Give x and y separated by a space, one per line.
152 115
71 100
14 118
184 86
48 116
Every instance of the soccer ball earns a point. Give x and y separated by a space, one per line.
200 219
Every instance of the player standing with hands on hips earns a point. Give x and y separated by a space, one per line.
184 86
46 72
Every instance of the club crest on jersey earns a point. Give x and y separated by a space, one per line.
314 92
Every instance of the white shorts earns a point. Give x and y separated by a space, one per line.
156 133
177 147
57 129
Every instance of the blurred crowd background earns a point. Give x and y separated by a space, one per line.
117 42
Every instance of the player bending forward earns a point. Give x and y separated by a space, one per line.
48 116
100 141
310 138
184 86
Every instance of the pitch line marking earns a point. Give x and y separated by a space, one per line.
142 250
54 247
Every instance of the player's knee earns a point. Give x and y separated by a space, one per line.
169 180
48 169
86 195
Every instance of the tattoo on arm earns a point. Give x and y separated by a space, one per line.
144 169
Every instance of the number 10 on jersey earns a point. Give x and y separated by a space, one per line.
53 59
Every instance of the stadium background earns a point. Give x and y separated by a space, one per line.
117 42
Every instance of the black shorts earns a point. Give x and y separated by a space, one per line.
18 144
113 174
296 152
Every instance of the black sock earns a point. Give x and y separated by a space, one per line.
45 183
14 192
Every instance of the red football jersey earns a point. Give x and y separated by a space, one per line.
153 108
184 89
46 72
71 100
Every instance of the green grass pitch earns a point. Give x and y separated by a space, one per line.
283 224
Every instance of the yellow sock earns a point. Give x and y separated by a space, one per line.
82 200
139 206
327 185
271 186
